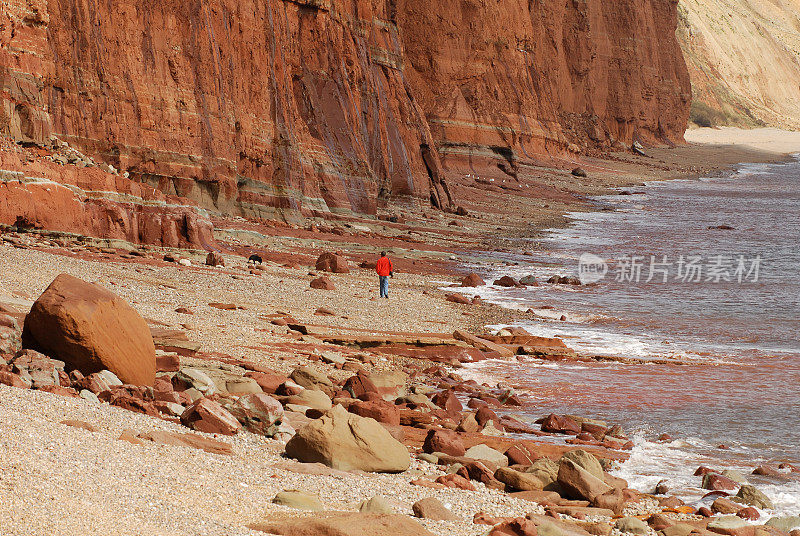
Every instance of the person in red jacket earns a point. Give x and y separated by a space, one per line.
385 271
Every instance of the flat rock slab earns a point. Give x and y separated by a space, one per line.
342 524
188 440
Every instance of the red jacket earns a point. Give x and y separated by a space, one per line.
384 266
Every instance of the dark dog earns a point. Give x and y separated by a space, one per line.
255 259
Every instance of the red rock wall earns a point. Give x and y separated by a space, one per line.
251 107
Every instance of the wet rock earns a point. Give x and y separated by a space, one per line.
725 506
208 416
784 523
529 281
444 441
345 441
557 424
749 513
506 281
578 483
725 524
766 470
750 495
299 500
458 298
91 329
579 172
662 488
736 476
472 280
714 481
432 508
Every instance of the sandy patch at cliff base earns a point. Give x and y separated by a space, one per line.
771 140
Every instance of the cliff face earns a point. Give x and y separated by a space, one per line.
744 61
253 108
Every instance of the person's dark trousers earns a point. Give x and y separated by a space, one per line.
384 281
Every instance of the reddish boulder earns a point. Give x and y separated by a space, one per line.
13 380
506 281
560 425
481 471
520 454
215 258
443 441
448 401
472 280
380 410
458 298
168 363
331 262
359 385
714 481
749 513
91 329
484 415
208 416
323 283
269 383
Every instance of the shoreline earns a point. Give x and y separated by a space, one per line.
232 340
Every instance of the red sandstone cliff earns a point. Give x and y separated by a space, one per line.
250 108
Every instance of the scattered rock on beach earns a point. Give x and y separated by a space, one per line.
298 499
331 262
343 524
579 172
432 508
323 283
506 281
91 329
345 441
472 280
752 496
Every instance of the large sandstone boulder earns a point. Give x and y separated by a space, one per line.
345 441
91 329
578 483
343 524
330 262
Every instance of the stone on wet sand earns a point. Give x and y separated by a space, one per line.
345 441
91 329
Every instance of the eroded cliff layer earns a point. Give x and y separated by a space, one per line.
254 108
744 61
